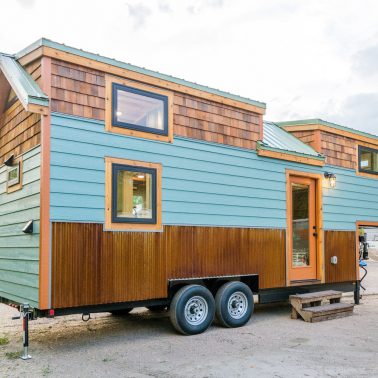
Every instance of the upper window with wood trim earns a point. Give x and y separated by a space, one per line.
138 110
133 192
368 160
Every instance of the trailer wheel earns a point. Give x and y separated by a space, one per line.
157 308
192 310
234 304
124 311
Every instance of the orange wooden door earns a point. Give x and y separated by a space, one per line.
302 229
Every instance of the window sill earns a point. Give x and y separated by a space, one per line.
14 188
367 175
129 227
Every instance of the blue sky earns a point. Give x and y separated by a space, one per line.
305 59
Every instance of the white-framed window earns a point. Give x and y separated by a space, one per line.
14 175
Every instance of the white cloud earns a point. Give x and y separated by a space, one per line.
164 7
359 111
366 61
139 13
197 6
26 3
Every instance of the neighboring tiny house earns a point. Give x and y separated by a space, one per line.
147 190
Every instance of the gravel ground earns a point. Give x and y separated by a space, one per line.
371 280
144 345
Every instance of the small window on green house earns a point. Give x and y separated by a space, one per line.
368 160
14 175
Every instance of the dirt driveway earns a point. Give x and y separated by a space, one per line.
144 345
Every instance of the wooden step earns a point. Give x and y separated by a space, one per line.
329 308
322 305
328 311
317 296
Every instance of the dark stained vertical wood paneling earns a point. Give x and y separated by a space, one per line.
213 251
90 266
343 245
93 267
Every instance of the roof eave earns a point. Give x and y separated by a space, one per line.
28 49
317 121
43 42
27 90
281 154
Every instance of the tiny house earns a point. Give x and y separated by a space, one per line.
121 187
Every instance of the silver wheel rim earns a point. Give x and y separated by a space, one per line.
196 310
237 305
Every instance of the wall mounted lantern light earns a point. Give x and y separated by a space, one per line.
28 228
331 178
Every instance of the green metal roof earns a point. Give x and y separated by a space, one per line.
127 66
277 139
326 123
27 90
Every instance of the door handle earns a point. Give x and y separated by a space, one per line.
314 233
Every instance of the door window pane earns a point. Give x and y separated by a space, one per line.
301 246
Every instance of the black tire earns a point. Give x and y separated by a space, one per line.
124 311
234 304
192 310
157 308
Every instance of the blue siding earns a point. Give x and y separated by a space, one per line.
203 183
19 252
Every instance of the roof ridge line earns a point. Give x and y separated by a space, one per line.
319 121
115 62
